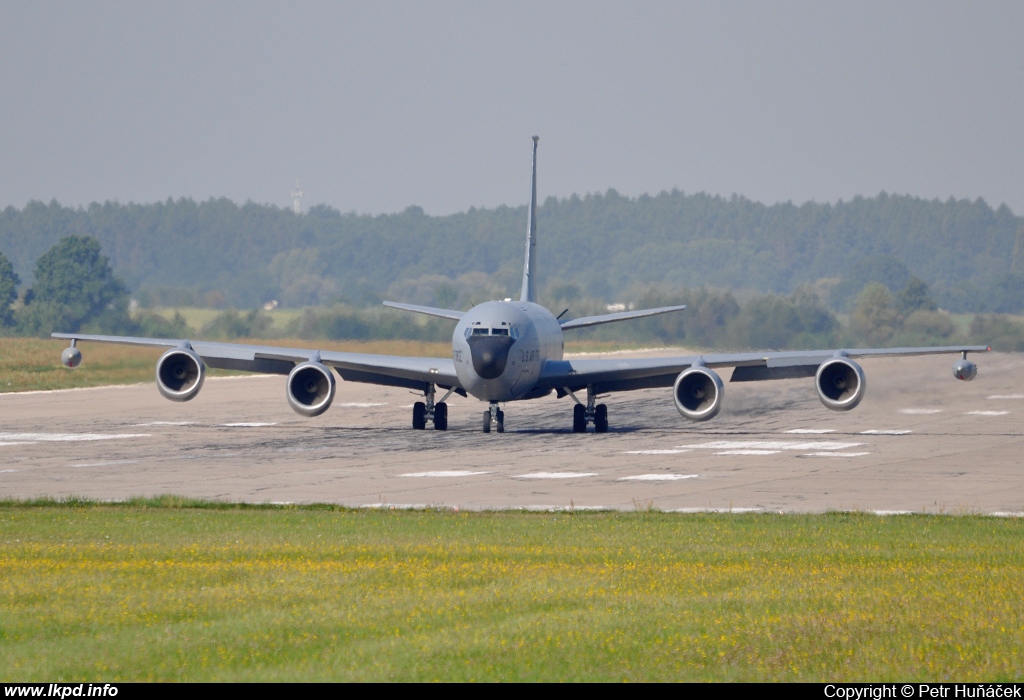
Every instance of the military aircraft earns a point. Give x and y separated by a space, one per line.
509 350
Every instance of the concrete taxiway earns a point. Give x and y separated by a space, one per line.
921 441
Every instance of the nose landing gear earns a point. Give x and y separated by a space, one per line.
494 416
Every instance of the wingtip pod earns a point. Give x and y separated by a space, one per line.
965 370
71 357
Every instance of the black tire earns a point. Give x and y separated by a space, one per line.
501 421
487 421
419 415
579 419
441 416
601 418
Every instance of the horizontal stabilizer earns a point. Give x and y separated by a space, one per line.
428 310
620 316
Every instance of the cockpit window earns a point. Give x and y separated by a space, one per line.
479 331
499 331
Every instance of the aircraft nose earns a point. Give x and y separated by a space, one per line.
490 353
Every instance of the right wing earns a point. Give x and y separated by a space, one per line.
609 375
387 370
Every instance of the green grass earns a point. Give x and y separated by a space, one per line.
197 317
170 589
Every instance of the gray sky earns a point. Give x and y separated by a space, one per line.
374 106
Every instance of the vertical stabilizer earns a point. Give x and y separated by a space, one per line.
529 292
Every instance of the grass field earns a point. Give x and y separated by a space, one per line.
33 364
132 592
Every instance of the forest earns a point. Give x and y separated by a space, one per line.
218 253
885 269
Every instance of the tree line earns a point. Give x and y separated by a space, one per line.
220 254
75 289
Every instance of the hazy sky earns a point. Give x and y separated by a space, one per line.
374 106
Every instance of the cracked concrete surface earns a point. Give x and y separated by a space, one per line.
239 441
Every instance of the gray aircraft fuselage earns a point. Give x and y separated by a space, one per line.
500 347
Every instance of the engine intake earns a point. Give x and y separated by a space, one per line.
965 370
179 374
840 383
310 388
698 393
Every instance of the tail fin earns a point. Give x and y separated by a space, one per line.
529 292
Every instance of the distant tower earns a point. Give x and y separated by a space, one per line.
297 199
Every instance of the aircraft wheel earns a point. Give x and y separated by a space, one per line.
579 419
601 418
501 421
419 415
487 421
441 416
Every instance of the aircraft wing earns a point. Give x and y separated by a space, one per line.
389 370
608 375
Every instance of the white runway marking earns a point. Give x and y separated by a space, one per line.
245 425
1006 396
66 437
442 474
986 413
920 411
7 471
554 475
810 431
748 452
1002 514
836 454
165 422
64 391
3 444
892 512
655 452
104 464
360 405
772 445
886 432
658 477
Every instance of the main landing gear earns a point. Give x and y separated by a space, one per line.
591 413
494 416
427 410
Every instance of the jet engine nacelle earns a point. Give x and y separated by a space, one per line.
180 373
698 393
965 370
840 383
310 388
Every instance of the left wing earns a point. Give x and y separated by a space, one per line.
389 370
609 375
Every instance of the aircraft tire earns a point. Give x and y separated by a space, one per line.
601 418
419 415
501 421
487 421
441 416
579 419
